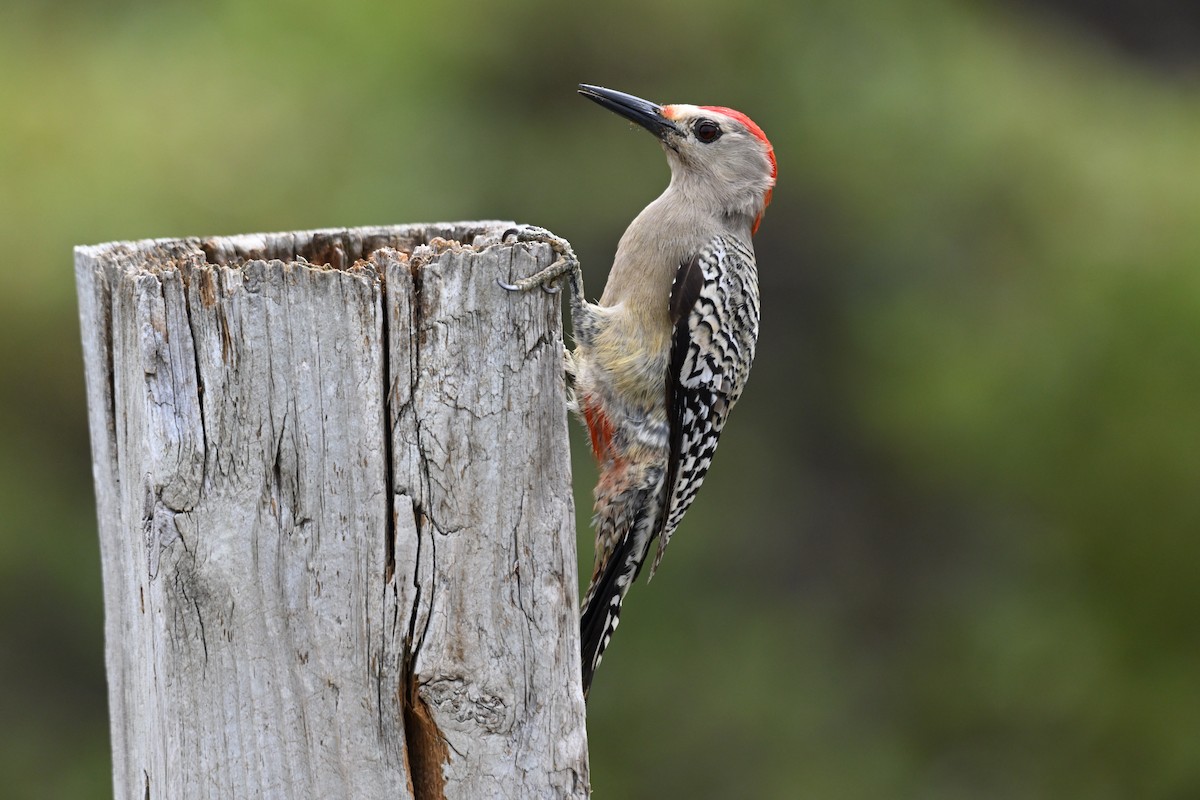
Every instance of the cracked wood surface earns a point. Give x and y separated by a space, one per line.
332 482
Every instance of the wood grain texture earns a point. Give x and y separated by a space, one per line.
332 482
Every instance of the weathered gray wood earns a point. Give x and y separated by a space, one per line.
337 543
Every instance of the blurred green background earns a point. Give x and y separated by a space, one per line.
949 548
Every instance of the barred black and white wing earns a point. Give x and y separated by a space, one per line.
714 307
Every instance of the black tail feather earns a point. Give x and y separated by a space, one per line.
602 612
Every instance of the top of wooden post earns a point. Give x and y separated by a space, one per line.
333 487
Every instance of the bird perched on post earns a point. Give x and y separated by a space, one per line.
661 360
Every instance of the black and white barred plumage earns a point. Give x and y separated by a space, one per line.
714 307
714 304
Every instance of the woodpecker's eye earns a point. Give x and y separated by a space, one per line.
707 131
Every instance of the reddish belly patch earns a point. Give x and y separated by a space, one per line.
601 429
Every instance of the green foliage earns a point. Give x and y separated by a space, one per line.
949 547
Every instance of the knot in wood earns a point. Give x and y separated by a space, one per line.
463 702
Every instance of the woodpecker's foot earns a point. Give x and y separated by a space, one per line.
527 284
565 263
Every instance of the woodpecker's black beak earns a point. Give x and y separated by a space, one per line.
635 109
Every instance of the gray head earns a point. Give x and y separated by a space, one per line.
718 156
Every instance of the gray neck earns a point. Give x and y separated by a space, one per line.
672 228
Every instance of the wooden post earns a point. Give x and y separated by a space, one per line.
332 481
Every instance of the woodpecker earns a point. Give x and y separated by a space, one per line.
661 360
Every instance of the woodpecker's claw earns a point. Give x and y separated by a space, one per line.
565 263
519 287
